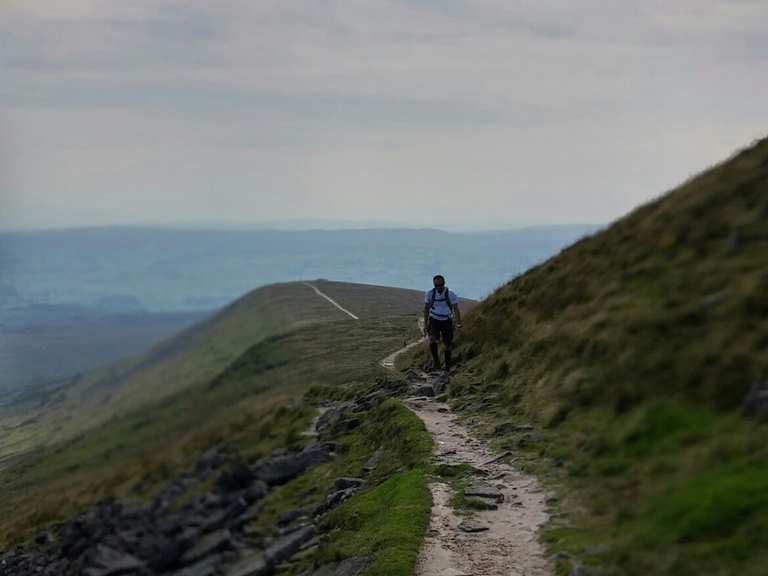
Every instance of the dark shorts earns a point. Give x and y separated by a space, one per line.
441 329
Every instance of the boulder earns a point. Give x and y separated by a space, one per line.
373 462
237 476
331 415
221 518
159 552
281 469
248 516
207 567
335 498
106 561
256 491
344 483
424 390
289 516
288 545
210 544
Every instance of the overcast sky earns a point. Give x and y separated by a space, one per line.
481 113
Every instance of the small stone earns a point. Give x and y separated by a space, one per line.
471 526
440 383
481 490
480 503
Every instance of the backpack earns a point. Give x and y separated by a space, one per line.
447 299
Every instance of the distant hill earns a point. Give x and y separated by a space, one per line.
86 296
634 352
41 415
171 269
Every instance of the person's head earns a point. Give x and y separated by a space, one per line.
439 282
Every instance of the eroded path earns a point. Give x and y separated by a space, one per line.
499 542
489 542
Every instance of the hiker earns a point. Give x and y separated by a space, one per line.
441 306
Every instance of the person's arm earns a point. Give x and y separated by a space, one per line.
456 312
457 315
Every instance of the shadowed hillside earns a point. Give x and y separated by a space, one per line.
633 352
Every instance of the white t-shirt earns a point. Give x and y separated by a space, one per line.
441 310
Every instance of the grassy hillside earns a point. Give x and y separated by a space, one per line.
632 352
252 403
42 416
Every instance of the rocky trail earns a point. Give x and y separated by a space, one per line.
201 523
500 534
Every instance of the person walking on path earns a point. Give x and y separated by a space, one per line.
441 307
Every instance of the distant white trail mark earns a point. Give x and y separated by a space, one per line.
332 301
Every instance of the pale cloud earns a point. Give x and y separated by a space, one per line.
539 111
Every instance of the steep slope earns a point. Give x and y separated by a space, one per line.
633 352
61 410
